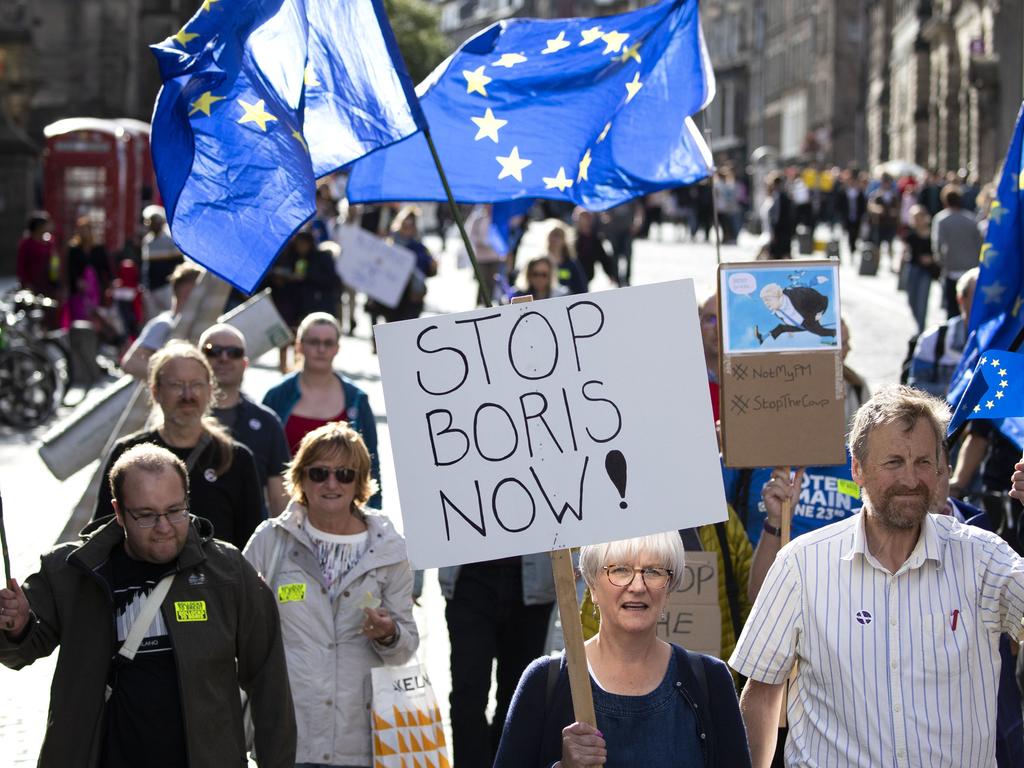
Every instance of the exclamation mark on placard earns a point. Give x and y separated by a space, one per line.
615 466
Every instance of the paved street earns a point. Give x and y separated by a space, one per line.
37 506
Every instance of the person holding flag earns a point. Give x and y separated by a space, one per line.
260 98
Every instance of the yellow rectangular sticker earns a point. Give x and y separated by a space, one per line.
849 487
190 610
291 593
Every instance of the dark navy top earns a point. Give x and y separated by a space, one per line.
657 729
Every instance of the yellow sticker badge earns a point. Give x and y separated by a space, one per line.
291 593
849 487
190 610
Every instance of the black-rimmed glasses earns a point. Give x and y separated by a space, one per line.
623 575
147 518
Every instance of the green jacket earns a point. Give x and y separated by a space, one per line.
239 644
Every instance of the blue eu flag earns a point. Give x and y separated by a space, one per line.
593 111
996 389
261 98
996 316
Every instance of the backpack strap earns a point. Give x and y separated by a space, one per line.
703 696
147 612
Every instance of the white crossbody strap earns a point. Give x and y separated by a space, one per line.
147 612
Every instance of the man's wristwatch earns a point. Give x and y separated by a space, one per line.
771 529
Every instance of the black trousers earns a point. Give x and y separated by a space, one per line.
486 621
949 296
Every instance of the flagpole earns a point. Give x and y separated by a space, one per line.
714 202
486 297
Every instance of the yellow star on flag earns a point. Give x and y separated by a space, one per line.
591 35
309 76
1017 305
206 5
299 138
633 86
584 167
554 46
613 41
993 295
1019 178
631 52
604 132
509 60
203 103
998 211
999 394
512 165
183 38
559 181
987 252
488 126
255 113
476 80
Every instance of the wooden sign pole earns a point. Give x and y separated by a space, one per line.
572 628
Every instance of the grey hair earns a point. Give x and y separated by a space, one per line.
897 404
664 549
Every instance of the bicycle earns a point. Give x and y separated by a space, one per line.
35 367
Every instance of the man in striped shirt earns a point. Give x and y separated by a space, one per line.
891 618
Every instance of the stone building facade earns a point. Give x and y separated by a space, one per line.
70 58
953 85
807 76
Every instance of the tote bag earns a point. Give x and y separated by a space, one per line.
407 728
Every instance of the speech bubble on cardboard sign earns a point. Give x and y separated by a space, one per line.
501 419
742 283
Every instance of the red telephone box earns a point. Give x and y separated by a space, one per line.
140 164
86 172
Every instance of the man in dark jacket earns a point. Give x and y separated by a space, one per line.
176 703
798 309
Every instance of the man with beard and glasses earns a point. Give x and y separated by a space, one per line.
891 618
224 486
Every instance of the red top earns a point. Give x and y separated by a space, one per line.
34 267
297 427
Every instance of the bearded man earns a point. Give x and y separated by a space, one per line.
891 617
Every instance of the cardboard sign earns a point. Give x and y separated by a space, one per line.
373 266
781 383
693 616
558 423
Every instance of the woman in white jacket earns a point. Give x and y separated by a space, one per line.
344 591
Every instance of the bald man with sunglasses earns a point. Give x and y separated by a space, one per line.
253 425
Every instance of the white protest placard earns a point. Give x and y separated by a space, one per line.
693 616
557 423
372 266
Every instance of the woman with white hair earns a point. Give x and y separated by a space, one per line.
657 704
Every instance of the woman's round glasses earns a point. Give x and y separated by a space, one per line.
623 575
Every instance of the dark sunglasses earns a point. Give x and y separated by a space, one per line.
320 474
216 350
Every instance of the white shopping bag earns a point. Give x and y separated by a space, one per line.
407 729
